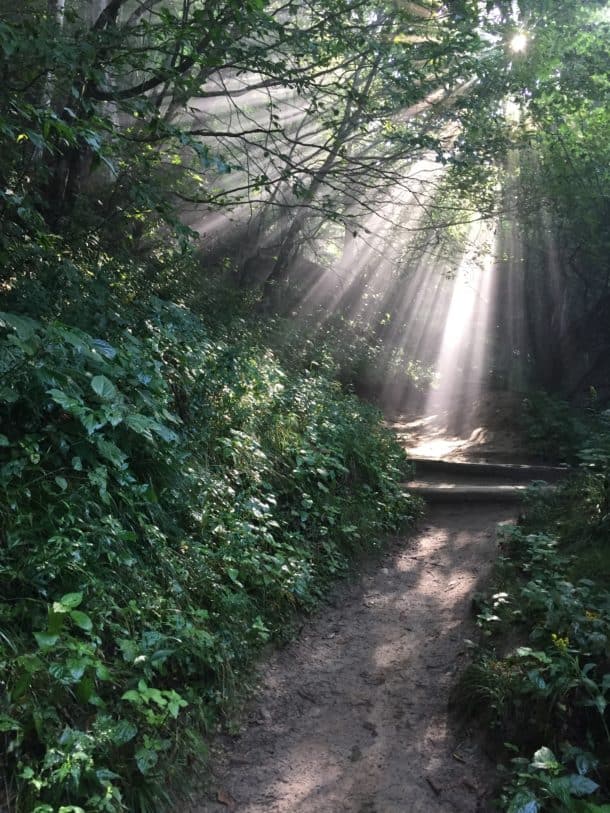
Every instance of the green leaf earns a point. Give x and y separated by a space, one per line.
105 349
90 420
140 424
22 325
524 802
71 600
581 785
7 395
544 759
67 402
111 452
103 387
233 574
62 483
102 672
4 441
123 732
175 704
164 432
8 724
76 668
146 759
45 640
82 620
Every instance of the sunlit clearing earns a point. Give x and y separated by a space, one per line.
518 44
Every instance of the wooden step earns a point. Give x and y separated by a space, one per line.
447 492
503 471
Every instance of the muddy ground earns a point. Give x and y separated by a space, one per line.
352 716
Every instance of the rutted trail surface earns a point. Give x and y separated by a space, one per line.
352 716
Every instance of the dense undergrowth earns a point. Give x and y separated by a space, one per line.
170 495
542 673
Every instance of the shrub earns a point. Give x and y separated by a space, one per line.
168 499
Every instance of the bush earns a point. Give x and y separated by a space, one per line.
168 499
555 431
549 695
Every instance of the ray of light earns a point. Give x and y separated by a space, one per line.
461 368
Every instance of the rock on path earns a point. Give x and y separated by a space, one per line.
352 716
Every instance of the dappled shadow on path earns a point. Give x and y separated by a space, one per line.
489 428
353 715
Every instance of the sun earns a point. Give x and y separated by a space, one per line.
518 43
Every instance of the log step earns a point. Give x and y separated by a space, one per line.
448 492
504 471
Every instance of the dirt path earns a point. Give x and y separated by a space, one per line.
352 716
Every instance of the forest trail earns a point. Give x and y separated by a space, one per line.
353 715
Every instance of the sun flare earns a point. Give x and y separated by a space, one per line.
518 43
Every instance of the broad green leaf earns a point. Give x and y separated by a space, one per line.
111 452
4 441
140 424
8 724
45 640
71 600
102 672
104 387
67 402
164 432
175 704
123 732
76 668
90 420
81 620
146 759
544 759
22 325
105 349
7 395
581 785
62 483
524 802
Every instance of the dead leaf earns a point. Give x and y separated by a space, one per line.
225 798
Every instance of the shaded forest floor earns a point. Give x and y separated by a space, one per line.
353 715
